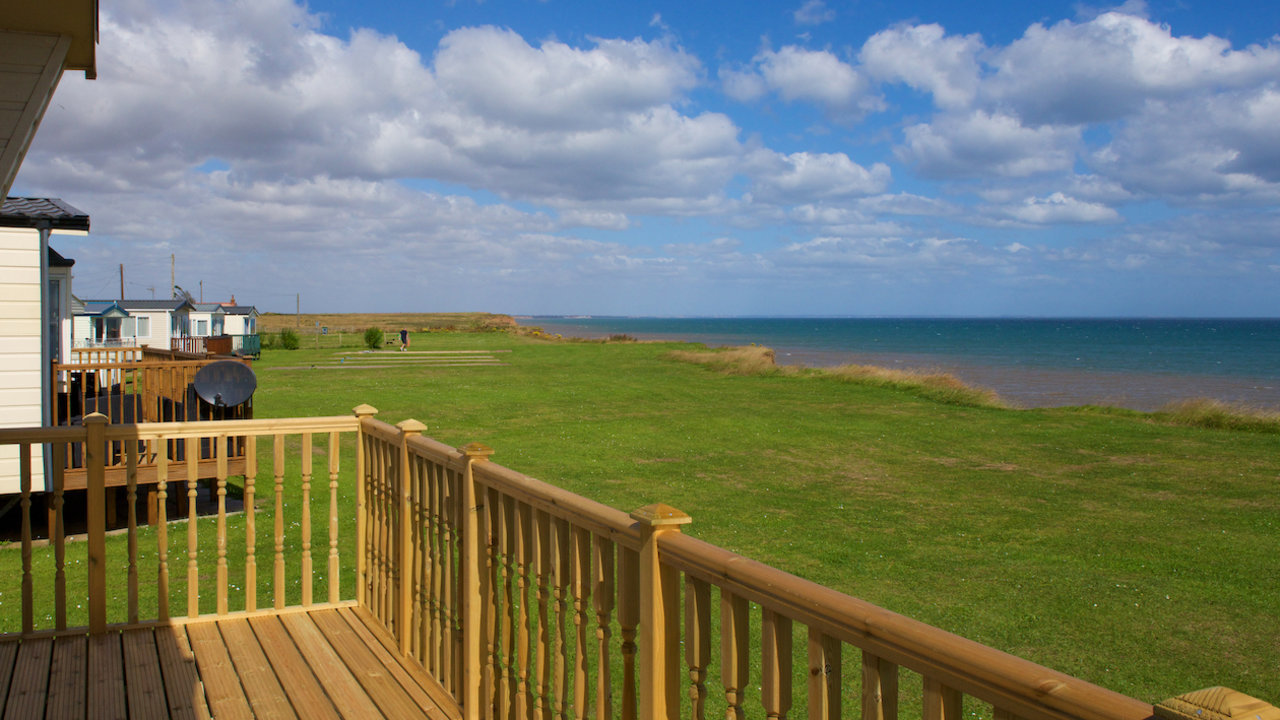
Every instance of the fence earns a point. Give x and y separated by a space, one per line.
522 599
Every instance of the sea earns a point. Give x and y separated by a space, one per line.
1137 363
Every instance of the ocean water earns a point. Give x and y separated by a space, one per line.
1137 363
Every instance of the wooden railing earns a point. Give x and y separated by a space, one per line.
129 391
187 344
521 599
90 355
286 556
526 601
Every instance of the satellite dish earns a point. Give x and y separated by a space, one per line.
225 383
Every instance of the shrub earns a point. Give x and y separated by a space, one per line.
289 339
373 338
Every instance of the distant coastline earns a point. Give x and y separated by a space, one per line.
1137 363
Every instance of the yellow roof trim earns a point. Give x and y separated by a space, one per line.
77 19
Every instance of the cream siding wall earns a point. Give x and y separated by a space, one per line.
21 396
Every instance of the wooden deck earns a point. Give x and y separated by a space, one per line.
321 663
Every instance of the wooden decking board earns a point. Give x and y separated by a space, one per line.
143 684
296 676
221 685
8 654
342 687
391 699
106 692
411 676
28 690
317 664
182 686
68 684
266 696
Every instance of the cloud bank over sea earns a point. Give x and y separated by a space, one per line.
1098 162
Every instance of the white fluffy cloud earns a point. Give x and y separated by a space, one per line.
799 74
1059 208
814 177
927 59
1109 67
981 143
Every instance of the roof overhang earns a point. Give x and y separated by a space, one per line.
39 40
76 19
43 214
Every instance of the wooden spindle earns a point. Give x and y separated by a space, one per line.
697 642
435 495
879 688
824 676
735 648
250 524
420 624
508 619
490 588
162 529
560 572
305 529
192 449
28 603
334 581
628 619
220 456
524 567
277 469
775 667
602 595
580 588
941 702
131 497
363 481
95 448
542 570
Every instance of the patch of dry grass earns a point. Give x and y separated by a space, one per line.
759 360
1209 413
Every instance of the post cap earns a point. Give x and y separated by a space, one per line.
411 426
364 410
660 514
1216 703
96 418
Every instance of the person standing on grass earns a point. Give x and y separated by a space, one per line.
404 340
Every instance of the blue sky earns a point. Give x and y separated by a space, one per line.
815 157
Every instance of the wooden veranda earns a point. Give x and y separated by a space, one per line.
335 662
407 578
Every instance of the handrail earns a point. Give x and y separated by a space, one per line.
508 589
1030 691
299 464
525 600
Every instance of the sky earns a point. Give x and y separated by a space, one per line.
803 158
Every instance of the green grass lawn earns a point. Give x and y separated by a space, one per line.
1132 552
1136 554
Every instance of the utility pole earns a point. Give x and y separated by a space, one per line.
173 283
297 313
121 281
202 291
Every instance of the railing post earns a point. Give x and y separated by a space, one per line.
95 426
474 548
404 538
362 479
659 615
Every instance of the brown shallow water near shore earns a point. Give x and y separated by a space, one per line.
1042 387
